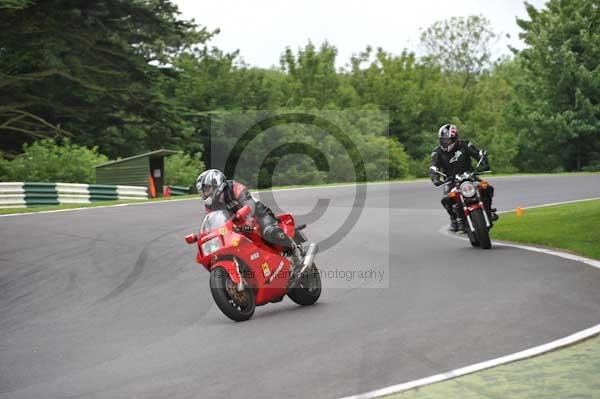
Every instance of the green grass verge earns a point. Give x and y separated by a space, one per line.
572 227
571 372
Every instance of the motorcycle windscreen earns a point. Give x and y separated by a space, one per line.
214 220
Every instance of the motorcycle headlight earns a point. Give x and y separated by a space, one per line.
467 189
211 246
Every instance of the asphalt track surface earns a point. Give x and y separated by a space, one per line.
108 303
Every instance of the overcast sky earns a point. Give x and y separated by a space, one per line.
262 29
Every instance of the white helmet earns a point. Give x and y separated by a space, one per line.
210 185
448 135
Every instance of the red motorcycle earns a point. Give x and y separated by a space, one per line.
469 204
245 271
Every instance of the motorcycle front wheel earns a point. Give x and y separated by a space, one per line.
482 233
237 305
472 237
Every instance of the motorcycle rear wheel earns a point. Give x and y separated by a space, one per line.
238 307
308 290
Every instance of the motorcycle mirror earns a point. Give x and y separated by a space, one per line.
243 212
191 238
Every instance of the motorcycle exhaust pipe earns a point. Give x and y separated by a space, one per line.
311 252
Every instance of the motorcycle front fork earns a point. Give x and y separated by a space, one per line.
486 217
467 214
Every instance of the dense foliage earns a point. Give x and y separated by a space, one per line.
558 112
46 161
131 76
92 70
182 169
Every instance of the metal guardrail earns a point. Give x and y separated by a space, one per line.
22 194
179 190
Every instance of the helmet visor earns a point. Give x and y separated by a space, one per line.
206 191
446 141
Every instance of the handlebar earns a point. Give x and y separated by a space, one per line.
472 174
434 169
445 183
451 179
482 154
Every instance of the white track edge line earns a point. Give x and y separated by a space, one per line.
547 251
537 350
554 252
552 204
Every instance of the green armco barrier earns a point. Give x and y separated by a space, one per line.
19 194
40 194
100 192
40 187
179 190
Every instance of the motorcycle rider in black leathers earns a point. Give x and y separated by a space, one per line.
218 193
451 157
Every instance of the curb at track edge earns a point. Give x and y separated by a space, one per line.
524 354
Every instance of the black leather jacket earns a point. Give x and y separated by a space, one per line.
456 161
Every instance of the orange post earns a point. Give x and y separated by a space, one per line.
151 187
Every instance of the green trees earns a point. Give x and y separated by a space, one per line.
312 77
485 121
130 76
460 45
558 114
470 90
46 161
14 4
92 71
182 169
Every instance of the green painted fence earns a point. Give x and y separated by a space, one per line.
20 194
179 190
40 194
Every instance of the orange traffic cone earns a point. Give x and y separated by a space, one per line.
519 212
151 187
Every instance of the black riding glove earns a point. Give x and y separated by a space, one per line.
484 163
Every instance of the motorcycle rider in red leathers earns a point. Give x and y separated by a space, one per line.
218 193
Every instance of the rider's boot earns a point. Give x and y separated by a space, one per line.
453 225
460 224
493 215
